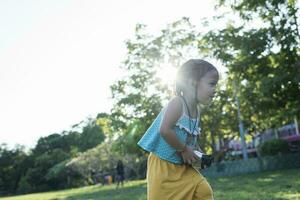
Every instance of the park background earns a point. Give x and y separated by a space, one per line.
255 45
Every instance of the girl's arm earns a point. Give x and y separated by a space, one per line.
171 116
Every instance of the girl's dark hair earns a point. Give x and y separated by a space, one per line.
193 69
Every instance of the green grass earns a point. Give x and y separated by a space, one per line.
277 185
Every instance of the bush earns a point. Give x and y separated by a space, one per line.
274 147
24 186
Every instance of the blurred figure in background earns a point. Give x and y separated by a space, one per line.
120 173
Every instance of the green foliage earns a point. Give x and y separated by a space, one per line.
53 152
263 60
24 186
274 147
126 143
42 164
100 159
12 164
91 136
44 167
218 120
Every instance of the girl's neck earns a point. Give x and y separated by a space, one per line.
192 106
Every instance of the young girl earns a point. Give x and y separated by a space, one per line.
172 137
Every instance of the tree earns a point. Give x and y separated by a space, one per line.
12 163
218 120
263 61
92 135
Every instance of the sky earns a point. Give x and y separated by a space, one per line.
58 58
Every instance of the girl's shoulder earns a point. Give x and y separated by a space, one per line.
176 101
174 106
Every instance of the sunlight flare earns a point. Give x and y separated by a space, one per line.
167 74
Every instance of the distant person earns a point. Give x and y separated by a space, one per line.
120 173
93 176
172 137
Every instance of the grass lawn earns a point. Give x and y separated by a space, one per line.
262 186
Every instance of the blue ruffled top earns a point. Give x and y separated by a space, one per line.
152 141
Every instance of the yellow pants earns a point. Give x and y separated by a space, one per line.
168 181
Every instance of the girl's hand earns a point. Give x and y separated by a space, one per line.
188 155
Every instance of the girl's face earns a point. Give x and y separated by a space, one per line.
207 86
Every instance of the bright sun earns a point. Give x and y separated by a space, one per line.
167 74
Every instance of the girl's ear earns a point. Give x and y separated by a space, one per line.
192 83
